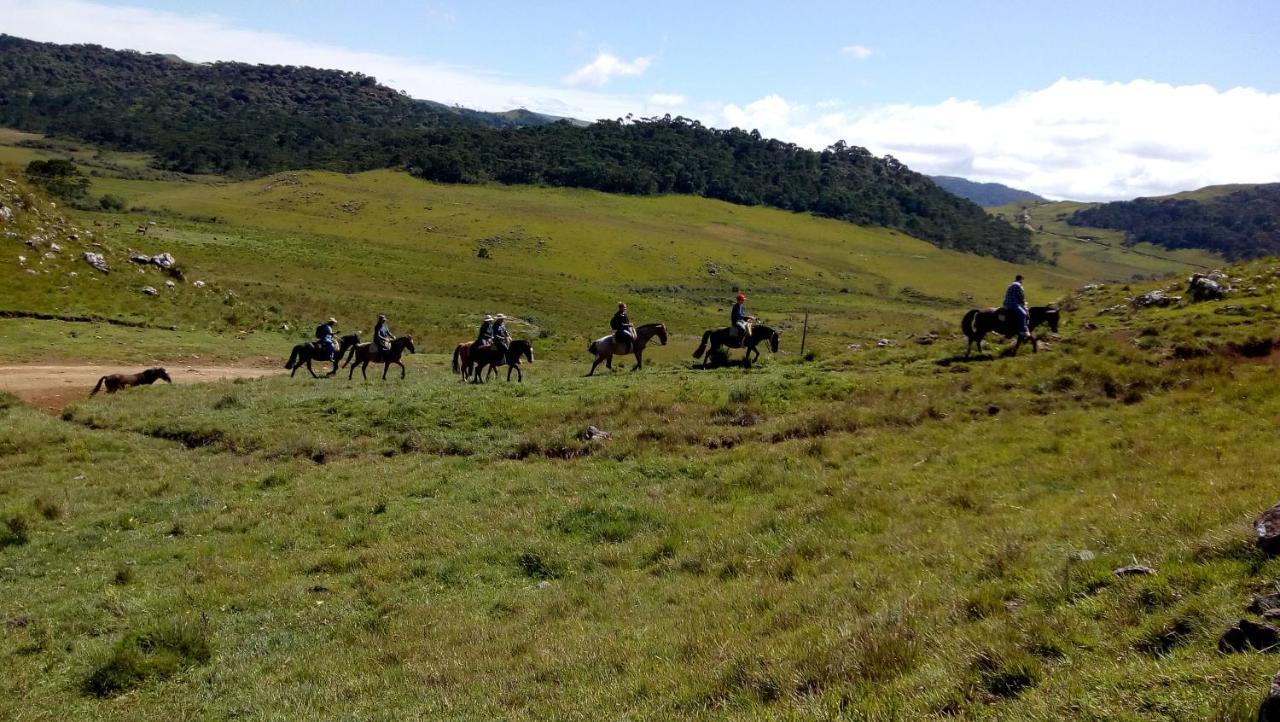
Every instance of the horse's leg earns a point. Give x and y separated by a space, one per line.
311 370
385 365
363 367
402 370
509 370
639 360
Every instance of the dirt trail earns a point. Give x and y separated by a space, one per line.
53 387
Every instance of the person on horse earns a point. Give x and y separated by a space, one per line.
624 332
501 336
1015 305
739 320
326 333
382 336
484 339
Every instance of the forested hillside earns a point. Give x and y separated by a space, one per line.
246 120
1242 224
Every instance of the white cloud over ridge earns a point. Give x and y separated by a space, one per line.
604 68
857 52
1077 138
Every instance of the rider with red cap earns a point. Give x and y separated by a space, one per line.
739 319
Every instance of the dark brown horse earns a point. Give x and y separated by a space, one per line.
363 353
305 353
115 382
462 359
605 348
491 358
718 337
978 323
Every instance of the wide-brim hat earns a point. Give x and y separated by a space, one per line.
488 318
499 317
382 317
333 320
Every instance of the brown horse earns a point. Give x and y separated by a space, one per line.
717 337
362 354
462 359
115 382
518 348
305 353
609 346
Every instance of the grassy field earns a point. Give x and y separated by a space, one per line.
869 533
892 534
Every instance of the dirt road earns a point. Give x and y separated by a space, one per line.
53 387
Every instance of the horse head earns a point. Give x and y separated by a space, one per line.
774 339
351 339
158 373
405 342
660 331
1051 317
524 348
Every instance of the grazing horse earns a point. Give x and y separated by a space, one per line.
978 323
115 382
362 354
305 353
605 348
518 348
717 337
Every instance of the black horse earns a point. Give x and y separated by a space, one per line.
305 353
978 323
718 337
493 357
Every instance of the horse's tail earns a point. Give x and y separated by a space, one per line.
702 347
349 354
457 359
966 324
293 358
591 349
101 381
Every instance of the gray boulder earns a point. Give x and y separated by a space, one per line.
1205 287
1244 636
97 261
1270 709
1267 529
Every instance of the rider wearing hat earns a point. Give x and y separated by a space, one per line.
624 332
325 334
1015 304
739 319
501 336
382 334
485 338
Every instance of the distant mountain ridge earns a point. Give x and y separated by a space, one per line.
987 195
247 120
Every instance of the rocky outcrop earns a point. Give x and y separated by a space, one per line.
1244 636
1267 529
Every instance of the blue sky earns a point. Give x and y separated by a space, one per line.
1084 100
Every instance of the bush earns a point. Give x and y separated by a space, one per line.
16 532
156 653
111 203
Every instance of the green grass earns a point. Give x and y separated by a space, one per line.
861 536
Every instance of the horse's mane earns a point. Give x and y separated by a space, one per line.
648 325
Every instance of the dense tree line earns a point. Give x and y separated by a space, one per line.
1239 225
239 119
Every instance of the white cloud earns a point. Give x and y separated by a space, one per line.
667 99
1080 139
857 52
604 68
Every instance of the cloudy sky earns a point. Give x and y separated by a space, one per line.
1085 100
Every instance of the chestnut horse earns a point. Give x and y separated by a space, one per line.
362 354
115 382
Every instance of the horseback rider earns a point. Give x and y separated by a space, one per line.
326 334
739 320
624 332
1015 304
501 336
382 336
484 339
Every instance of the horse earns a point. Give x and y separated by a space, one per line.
518 348
462 359
115 382
717 337
605 348
978 323
362 354
305 353
490 358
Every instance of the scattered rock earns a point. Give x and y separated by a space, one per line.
170 284
1092 287
1157 299
1265 603
1270 709
1083 555
544 584
1134 570
993 410
884 342
202 284
55 248
97 261
1118 308
1267 527
164 260
591 433
150 291
1207 287
1271 614
22 260
6 214
1245 635
1089 326
141 259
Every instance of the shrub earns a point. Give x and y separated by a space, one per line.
156 653
534 566
16 532
111 203
48 508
